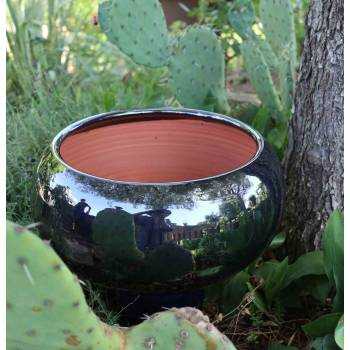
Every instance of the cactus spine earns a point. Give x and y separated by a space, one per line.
46 309
195 59
269 57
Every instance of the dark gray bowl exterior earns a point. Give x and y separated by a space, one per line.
182 235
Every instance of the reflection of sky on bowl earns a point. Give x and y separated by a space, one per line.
178 216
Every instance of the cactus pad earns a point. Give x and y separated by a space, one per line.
197 68
278 23
242 17
138 28
46 309
260 77
269 55
184 329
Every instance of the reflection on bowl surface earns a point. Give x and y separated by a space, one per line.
155 200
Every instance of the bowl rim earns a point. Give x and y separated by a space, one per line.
58 139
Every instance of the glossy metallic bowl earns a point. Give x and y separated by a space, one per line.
161 199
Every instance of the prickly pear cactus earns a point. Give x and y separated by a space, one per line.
138 28
270 57
276 49
197 68
278 25
260 76
184 329
242 18
46 309
195 59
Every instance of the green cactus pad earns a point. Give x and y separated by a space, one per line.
286 83
197 68
260 77
278 24
242 17
138 28
46 309
184 329
114 231
269 55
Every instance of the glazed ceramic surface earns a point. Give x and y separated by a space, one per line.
159 200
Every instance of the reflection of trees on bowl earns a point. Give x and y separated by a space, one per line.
151 198
162 197
114 231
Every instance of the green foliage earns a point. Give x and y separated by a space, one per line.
257 298
324 343
333 245
281 284
275 281
48 40
277 277
210 245
190 244
195 58
234 290
277 241
46 309
316 286
339 333
323 325
272 289
308 264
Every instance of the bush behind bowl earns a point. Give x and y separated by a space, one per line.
159 200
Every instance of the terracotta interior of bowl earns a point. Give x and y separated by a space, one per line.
158 148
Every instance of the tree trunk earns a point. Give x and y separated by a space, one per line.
314 160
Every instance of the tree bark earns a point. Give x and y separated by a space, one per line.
314 159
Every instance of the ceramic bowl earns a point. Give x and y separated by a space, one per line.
160 199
